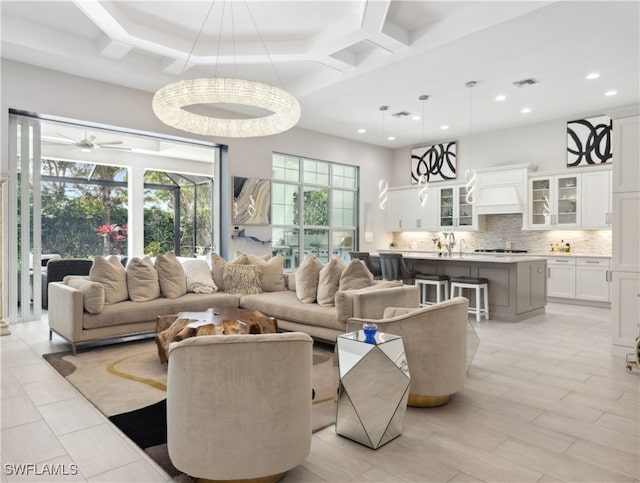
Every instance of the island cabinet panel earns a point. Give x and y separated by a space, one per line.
501 283
532 286
517 285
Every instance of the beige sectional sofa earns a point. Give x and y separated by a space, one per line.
69 300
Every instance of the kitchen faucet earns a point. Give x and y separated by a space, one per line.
450 242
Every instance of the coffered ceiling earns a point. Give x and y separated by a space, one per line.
344 59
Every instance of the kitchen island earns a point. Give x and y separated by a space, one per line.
517 284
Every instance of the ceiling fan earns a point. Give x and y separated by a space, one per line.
87 144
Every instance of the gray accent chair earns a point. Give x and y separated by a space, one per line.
435 343
239 406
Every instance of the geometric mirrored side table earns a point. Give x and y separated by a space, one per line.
374 387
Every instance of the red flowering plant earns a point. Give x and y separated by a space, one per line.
113 232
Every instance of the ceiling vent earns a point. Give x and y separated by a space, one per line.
525 82
401 114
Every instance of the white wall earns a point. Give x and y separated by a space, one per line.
43 91
542 144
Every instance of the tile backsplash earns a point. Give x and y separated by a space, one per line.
500 229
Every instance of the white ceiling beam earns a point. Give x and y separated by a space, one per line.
114 49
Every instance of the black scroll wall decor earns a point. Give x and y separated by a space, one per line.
436 163
589 141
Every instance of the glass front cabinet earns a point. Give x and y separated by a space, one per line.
554 202
454 211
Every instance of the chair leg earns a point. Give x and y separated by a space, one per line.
446 291
486 302
478 305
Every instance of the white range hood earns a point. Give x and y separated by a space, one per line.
502 189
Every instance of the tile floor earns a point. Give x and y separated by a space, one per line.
545 401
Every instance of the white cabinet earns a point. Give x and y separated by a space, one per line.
561 277
554 202
454 211
393 211
404 211
626 232
625 264
595 199
593 279
625 308
625 147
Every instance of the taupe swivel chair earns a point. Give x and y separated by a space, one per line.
435 343
394 268
373 264
239 406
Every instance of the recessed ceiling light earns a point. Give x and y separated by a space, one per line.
444 127
500 97
526 110
612 92
592 75
362 130
416 118
391 138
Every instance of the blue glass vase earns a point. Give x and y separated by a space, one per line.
370 330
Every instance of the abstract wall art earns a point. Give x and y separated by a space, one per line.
251 201
589 141
436 162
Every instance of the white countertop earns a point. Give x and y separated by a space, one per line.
469 257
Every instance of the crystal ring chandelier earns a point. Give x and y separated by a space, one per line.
170 101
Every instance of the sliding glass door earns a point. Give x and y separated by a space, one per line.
24 265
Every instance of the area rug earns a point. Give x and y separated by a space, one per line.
127 383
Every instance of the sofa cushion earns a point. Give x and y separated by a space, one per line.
113 277
328 281
272 272
142 280
242 279
92 292
132 312
173 282
355 276
307 277
199 278
218 265
286 306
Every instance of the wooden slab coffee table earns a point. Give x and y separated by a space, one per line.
223 321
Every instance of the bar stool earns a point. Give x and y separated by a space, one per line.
423 280
394 268
480 285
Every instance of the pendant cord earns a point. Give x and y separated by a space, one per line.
215 68
195 42
264 45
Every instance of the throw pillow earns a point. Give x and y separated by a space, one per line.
218 265
355 276
199 278
92 293
173 283
328 281
113 277
272 272
142 280
307 277
242 279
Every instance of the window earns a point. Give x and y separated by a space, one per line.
177 213
314 208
